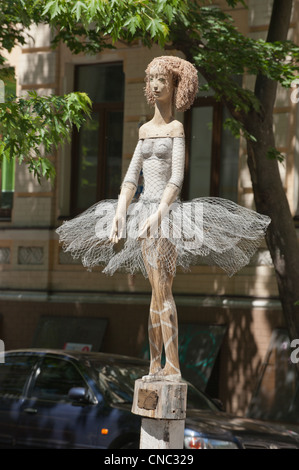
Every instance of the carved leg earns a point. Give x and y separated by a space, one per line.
169 322
154 322
163 323
155 338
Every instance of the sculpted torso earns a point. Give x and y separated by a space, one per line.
151 130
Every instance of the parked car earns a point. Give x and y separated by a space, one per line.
60 399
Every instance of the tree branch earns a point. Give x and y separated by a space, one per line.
265 89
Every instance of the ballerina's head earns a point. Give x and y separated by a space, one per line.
170 77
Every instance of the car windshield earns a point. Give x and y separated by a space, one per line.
117 385
198 401
117 381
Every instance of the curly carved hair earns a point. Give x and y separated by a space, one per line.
185 80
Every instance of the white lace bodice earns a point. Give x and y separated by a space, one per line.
162 160
211 229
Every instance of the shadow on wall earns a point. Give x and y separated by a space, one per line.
250 332
240 361
38 68
276 397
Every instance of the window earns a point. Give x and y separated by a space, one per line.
55 379
14 374
97 147
212 152
7 172
199 365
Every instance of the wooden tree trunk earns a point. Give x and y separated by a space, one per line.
269 194
270 199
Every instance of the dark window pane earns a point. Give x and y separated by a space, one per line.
114 127
102 82
229 166
196 400
214 154
200 155
55 379
88 150
98 145
14 374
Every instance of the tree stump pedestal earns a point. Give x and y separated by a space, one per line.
162 405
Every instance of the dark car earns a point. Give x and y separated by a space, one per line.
60 399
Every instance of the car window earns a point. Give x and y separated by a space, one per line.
117 381
197 400
55 378
117 384
14 374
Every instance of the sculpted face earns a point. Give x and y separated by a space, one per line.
161 84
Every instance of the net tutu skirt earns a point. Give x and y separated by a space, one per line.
208 230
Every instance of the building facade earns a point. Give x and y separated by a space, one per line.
226 323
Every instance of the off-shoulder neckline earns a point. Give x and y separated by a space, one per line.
162 137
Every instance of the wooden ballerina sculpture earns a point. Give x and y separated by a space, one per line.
160 231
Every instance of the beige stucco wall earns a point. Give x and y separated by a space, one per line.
31 260
40 68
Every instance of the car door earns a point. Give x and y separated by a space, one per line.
49 418
15 374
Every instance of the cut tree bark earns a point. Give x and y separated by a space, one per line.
269 194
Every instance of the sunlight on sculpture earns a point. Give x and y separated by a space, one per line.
214 230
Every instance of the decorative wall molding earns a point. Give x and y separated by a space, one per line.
4 255
30 255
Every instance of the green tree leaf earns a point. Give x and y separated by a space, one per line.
33 127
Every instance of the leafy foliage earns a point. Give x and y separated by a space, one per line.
31 127
201 30
15 17
237 129
274 154
92 25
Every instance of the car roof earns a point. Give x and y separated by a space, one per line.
81 355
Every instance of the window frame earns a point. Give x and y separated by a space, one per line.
57 398
29 376
103 109
216 145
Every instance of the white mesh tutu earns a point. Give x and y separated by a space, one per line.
211 230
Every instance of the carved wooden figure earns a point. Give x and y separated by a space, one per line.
163 136
160 231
